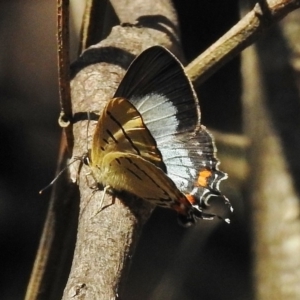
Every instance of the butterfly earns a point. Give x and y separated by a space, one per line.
149 141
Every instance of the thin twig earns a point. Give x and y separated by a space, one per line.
85 26
240 36
63 70
49 267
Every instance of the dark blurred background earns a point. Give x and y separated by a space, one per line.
209 261
29 134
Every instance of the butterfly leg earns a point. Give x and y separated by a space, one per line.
88 201
96 189
102 199
105 191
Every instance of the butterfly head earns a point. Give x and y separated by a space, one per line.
86 159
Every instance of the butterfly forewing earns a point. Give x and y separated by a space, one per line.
157 86
121 128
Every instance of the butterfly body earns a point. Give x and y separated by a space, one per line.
149 141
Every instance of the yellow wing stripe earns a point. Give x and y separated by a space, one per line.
146 175
132 173
125 156
123 131
121 128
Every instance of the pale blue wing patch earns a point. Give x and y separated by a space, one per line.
180 168
186 157
156 84
159 115
158 87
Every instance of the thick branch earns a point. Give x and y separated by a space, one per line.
106 240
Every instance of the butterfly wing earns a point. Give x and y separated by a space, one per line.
124 156
134 174
155 83
128 151
121 128
159 88
192 164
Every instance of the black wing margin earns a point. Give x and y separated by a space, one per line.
156 84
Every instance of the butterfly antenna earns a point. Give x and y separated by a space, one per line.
58 175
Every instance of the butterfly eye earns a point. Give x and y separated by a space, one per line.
86 160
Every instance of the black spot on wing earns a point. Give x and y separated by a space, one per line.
147 175
133 173
112 136
124 132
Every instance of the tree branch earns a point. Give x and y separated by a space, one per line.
264 14
63 71
106 240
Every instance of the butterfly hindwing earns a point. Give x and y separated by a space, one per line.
192 164
156 84
125 157
132 173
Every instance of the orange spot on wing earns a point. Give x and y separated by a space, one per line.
191 199
182 206
203 176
